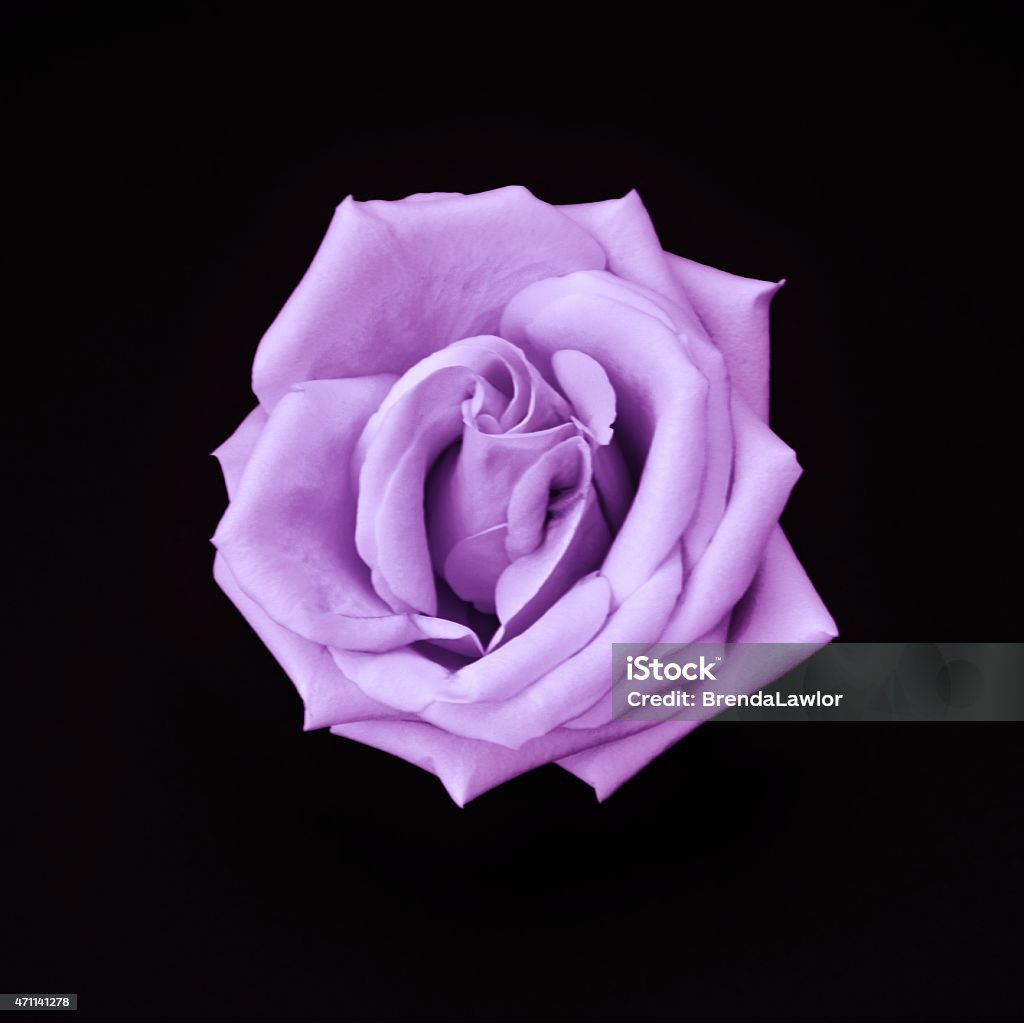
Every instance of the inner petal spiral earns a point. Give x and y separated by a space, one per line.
477 483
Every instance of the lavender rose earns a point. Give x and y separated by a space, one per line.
493 437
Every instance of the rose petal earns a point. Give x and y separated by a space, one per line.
586 385
469 490
781 605
764 473
329 697
394 281
700 350
287 535
613 485
607 766
390 528
474 566
407 679
564 467
624 229
578 682
662 417
735 312
235 452
468 767
563 629
533 404
575 543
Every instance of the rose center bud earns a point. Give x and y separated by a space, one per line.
485 492
513 515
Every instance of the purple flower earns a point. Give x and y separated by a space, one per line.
493 437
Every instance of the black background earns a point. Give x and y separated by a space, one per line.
170 831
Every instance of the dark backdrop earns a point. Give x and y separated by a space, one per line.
172 834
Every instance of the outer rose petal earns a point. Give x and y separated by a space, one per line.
734 310
287 535
394 281
781 607
468 767
235 452
328 696
764 472
692 339
606 767
624 229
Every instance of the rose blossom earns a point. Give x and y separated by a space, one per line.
493 437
